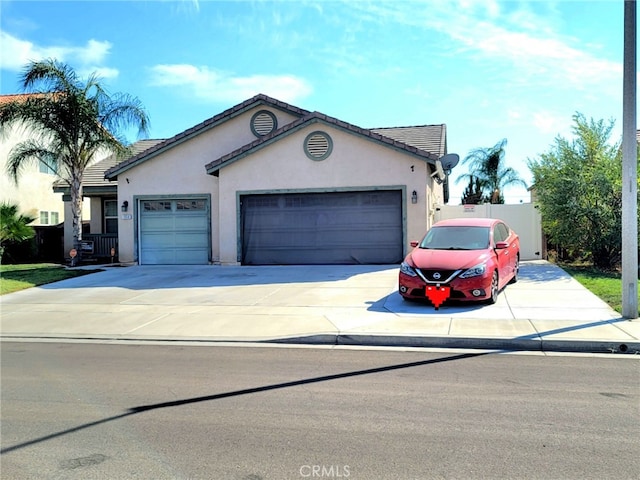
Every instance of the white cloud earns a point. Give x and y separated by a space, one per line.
16 53
101 72
528 45
216 86
549 123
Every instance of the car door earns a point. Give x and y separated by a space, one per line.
514 247
505 262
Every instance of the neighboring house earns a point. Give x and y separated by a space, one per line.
265 182
32 193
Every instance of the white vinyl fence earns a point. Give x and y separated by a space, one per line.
524 218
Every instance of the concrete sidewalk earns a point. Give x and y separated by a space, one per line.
546 310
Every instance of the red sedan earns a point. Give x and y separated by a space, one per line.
466 259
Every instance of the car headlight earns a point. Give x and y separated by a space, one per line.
474 271
408 269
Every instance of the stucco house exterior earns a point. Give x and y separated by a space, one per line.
266 182
100 206
33 193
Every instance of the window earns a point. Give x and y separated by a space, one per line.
44 218
55 218
501 233
48 166
156 206
190 205
110 216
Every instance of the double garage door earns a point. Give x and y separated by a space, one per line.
174 232
279 229
322 228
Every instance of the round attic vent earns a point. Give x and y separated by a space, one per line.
263 123
318 145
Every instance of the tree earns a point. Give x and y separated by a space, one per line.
472 195
69 123
14 227
487 166
578 184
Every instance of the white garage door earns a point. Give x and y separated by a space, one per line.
322 228
174 232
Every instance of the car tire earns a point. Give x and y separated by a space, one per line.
514 279
494 289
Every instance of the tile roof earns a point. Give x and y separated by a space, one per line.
214 166
94 174
13 97
431 138
259 99
19 97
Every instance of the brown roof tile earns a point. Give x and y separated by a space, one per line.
20 97
431 138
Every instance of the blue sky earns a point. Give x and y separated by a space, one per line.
487 69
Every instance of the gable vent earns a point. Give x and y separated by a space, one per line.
263 123
318 145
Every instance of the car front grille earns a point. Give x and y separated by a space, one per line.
432 275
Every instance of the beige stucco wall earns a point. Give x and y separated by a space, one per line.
355 162
68 222
96 220
181 171
34 192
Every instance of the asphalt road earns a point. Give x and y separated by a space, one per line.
96 411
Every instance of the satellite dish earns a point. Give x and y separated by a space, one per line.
449 161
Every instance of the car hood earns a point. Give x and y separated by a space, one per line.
447 259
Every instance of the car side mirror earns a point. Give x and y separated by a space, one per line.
414 244
501 245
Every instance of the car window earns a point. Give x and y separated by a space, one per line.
500 233
456 238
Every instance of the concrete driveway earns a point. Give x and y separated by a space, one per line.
336 305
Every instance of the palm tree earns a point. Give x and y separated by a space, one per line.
472 195
14 227
487 166
70 123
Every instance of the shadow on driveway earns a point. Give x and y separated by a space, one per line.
151 277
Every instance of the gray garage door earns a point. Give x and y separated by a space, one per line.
322 228
174 232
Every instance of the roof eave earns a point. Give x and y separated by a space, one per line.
89 191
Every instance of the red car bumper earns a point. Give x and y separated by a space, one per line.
472 289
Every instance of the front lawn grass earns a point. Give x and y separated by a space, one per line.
19 277
605 284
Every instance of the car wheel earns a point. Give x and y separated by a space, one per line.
494 289
517 271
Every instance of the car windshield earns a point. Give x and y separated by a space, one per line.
456 238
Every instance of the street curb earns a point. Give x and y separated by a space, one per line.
373 340
478 343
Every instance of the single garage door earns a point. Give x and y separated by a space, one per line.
174 232
322 228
